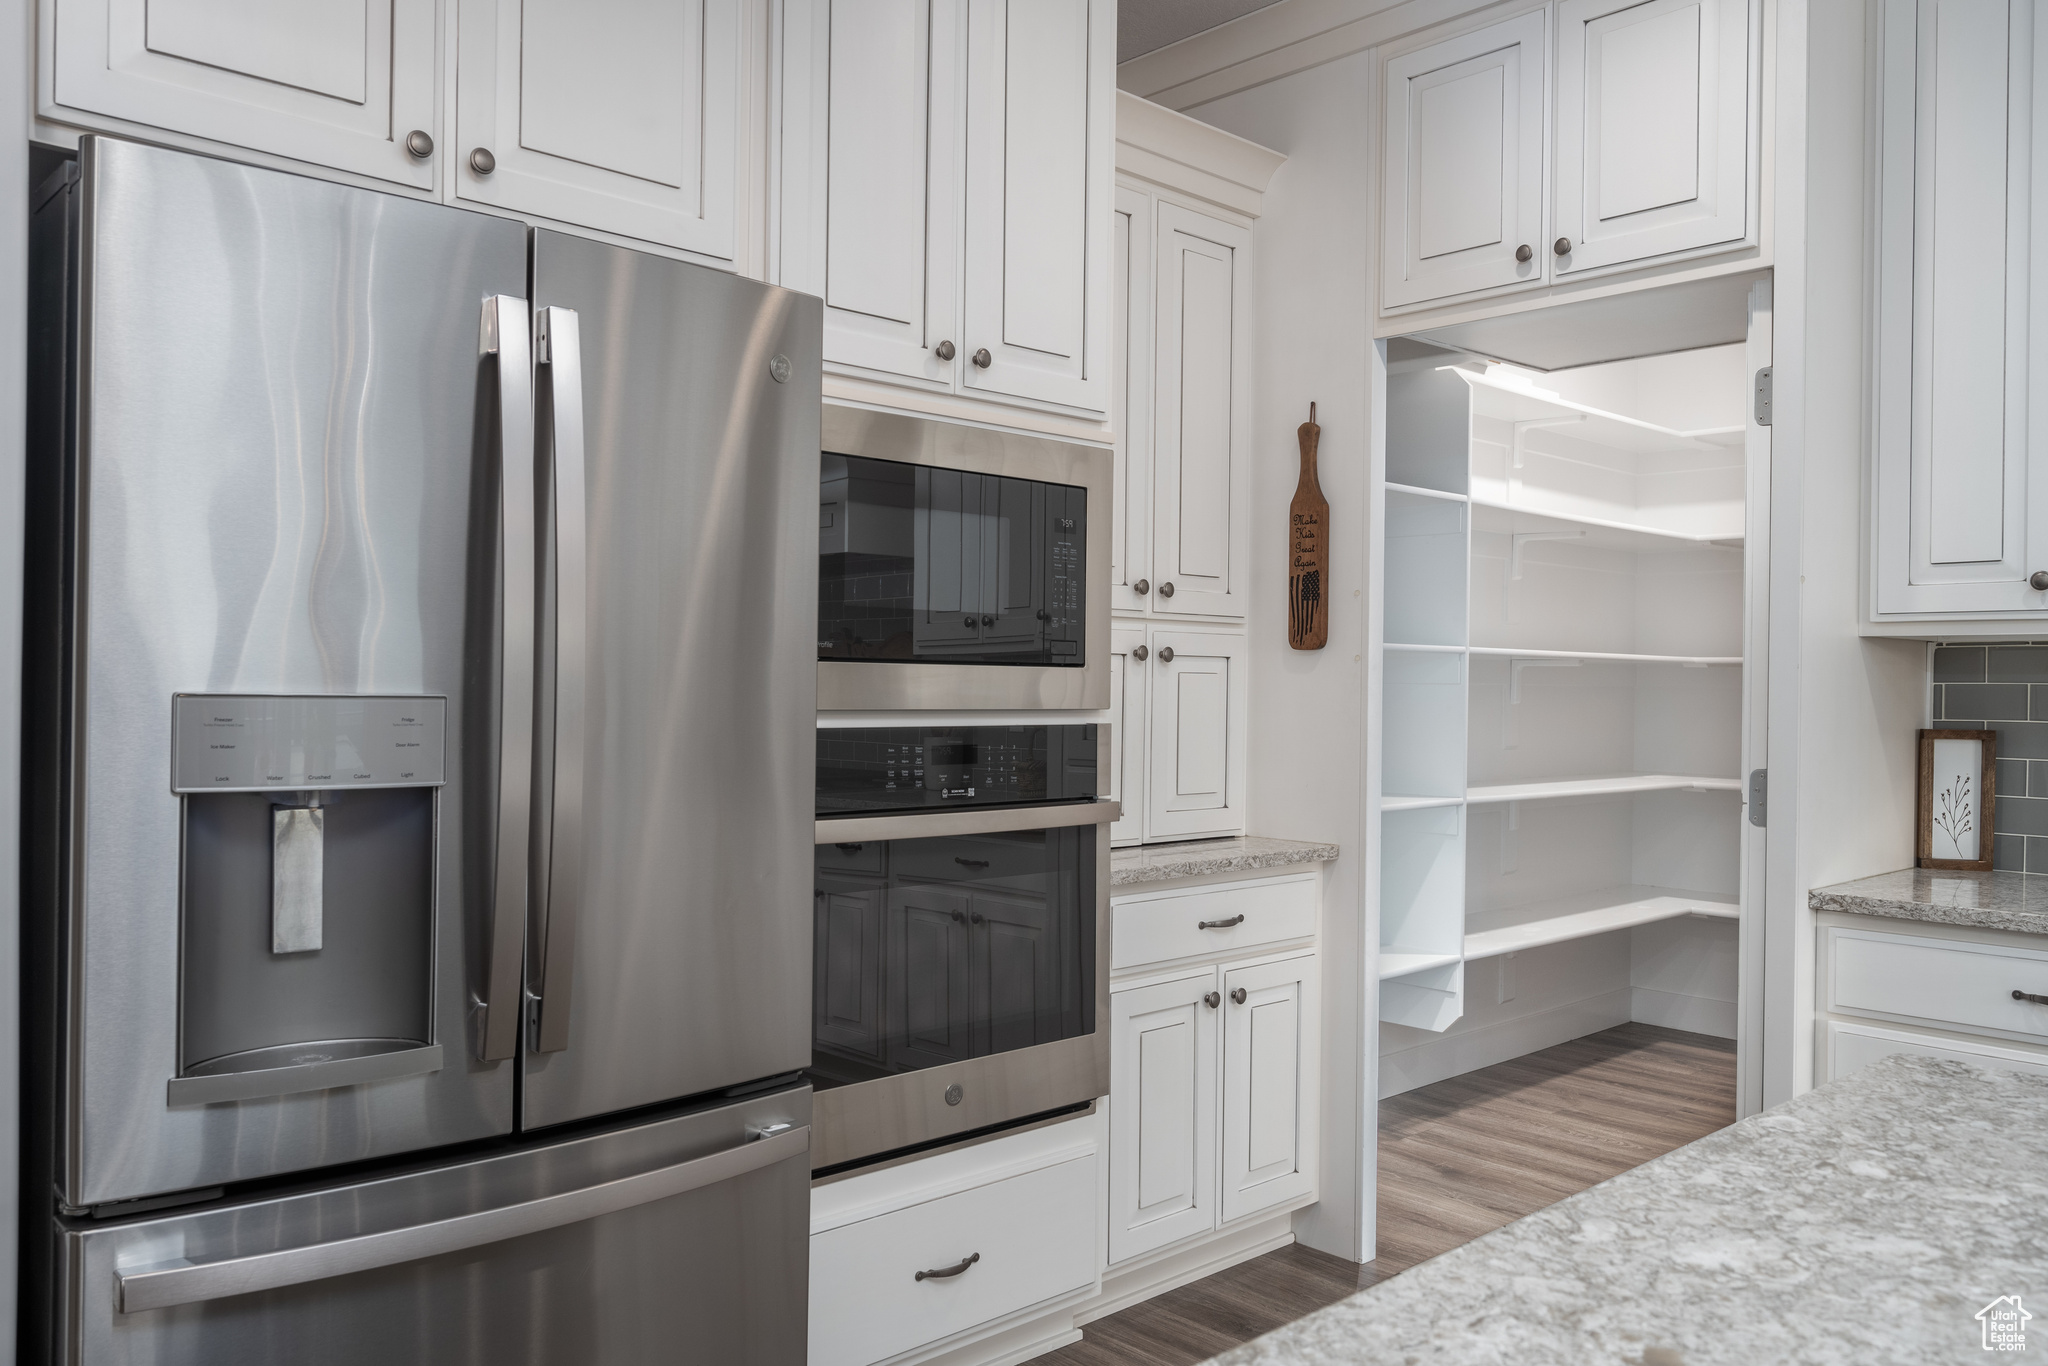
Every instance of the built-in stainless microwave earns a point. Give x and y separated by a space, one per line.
960 568
960 954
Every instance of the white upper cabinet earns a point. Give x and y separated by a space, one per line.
1462 195
1128 653
957 222
1201 415
334 84
1130 403
1041 130
1961 492
1652 128
621 115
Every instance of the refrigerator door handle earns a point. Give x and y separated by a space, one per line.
161 1285
505 336
558 347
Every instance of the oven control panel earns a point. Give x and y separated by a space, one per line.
929 768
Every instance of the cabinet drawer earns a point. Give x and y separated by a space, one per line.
1945 982
1852 1047
1019 859
1035 1234
1163 926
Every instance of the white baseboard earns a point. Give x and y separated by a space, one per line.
1019 1342
1169 1269
1453 1053
1674 1010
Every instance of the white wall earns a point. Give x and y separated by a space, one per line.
1844 708
1307 740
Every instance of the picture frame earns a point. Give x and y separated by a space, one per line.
1958 798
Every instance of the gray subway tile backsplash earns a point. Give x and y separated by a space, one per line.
2004 688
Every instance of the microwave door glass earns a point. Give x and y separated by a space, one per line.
930 565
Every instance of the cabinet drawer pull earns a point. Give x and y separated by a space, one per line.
1219 924
2030 996
849 848
1212 1000
970 862
1238 996
945 1272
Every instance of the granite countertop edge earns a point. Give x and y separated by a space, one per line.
1145 863
2001 900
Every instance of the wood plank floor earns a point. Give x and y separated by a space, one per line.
1457 1159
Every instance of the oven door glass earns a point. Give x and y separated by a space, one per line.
932 951
939 566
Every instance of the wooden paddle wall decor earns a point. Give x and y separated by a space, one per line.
1308 550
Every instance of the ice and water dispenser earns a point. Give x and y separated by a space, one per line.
310 831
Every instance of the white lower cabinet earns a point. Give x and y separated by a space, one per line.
1213 1091
1941 992
1178 703
909 1261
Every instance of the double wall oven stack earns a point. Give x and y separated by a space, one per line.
961 894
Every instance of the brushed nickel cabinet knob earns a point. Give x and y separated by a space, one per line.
1525 252
1140 653
1142 587
2039 580
1166 590
1166 654
482 162
944 351
982 359
419 144
1562 246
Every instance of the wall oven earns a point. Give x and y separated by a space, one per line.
960 568
961 931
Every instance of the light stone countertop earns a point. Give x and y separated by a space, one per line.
1200 858
1994 901
1865 1222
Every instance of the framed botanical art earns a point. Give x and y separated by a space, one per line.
1958 789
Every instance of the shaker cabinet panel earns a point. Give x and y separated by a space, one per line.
1162 1119
1961 500
1195 777
335 84
1462 191
1201 411
846 964
621 115
1129 656
1269 1084
1652 129
1130 403
1040 131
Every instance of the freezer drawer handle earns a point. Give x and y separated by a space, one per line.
164 1284
969 1260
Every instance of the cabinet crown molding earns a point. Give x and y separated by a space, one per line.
1198 159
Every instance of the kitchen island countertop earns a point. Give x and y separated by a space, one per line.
1868 1221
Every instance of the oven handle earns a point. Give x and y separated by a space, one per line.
918 825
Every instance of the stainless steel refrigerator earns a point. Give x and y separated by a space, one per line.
419 784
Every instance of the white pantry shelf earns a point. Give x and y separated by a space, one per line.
1426 649
1613 785
1588 913
1417 491
1394 802
1601 533
1695 661
1394 964
1509 401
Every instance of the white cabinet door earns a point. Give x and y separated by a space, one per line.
1652 129
1130 404
1270 1084
1961 512
871 103
621 115
1194 782
1040 189
1129 658
337 85
1462 190
1201 450
1162 1119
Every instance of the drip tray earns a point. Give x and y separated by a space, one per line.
287 1069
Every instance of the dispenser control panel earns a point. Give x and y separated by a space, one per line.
253 743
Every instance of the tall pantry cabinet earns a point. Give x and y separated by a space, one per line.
1187 197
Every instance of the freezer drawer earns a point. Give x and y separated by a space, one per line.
605 1250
